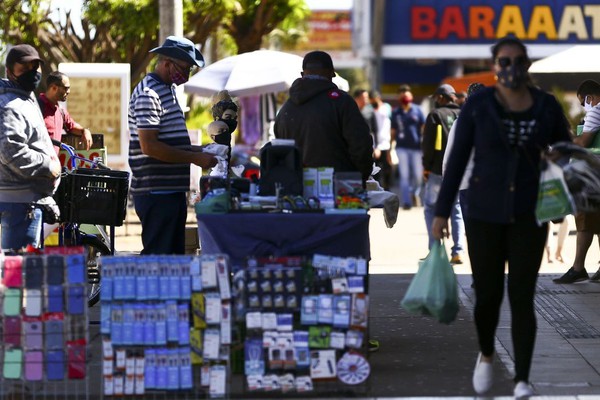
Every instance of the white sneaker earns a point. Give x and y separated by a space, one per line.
483 376
523 390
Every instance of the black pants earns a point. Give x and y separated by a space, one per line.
384 177
163 219
491 245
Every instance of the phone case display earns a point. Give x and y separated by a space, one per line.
305 322
162 317
43 320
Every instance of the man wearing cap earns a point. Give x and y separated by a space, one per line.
160 150
29 166
325 121
407 126
435 136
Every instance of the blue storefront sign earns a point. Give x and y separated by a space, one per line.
422 39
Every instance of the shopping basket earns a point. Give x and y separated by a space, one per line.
93 196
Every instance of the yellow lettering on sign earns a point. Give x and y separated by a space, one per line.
594 13
511 22
541 23
572 23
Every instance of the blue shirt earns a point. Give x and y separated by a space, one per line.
408 126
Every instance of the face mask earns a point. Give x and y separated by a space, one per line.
587 106
178 78
513 76
231 124
223 138
405 100
30 80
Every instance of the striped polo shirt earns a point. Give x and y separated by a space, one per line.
153 105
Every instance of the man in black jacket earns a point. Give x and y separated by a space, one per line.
435 135
325 121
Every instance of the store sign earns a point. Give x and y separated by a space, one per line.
328 30
559 22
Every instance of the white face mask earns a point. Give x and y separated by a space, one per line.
587 106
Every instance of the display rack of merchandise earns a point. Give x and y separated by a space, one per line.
165 325
304 324
44 325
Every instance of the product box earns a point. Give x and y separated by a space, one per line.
309 181
325 182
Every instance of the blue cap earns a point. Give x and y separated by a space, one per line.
181 49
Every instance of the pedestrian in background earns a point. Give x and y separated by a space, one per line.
464 185
435 137
56 118
160 150
508 126
587 223
407 126
29 166
324 121
383 144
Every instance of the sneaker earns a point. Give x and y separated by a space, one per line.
596 276
373 345
572 276
456 259
483 376
523 390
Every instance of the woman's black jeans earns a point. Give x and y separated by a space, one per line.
491 246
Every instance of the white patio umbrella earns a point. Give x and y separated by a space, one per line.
248 74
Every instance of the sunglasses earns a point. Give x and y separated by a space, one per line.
507 61
187 69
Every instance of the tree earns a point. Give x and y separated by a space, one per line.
125 31
253 20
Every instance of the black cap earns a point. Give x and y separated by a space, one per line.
22 53
445 90
404 88
317 60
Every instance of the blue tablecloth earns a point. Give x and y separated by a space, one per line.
263 234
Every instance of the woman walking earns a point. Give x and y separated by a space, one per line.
508 126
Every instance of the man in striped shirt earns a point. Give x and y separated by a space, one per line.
160 150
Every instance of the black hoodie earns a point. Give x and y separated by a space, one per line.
327 126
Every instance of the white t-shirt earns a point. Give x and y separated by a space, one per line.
464 184
384 125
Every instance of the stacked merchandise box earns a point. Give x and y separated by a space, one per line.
44 321
305 322
165 320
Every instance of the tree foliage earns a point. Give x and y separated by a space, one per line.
253 20
125 30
